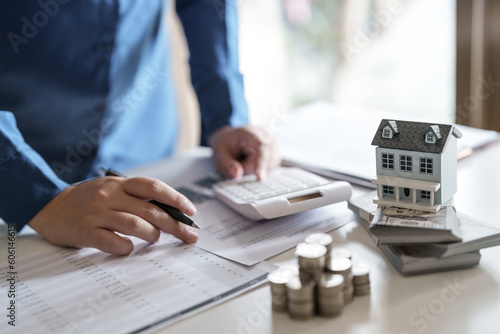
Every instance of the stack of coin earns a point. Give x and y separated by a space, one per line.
278 279
341 252
311 258
330 299
342 266
300 298
361 279
307 289
322 239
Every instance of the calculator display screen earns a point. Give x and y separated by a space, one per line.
303 198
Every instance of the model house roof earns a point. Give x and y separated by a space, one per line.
411 136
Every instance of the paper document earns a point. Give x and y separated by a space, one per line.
63 290
227 233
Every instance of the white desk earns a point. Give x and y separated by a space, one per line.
419 304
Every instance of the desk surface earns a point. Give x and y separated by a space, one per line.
462 301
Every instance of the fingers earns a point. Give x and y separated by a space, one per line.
259 164
226 163
134 216
244 150
109 242
145 220
133 225
96 214
179 230
260 149
147 189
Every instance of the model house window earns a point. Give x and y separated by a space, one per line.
387 132
426 165
425 194
405 163
387 161
388 190
430 138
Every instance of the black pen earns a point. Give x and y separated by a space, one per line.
173 212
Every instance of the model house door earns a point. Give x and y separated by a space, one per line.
405 193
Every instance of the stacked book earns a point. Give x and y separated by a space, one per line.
418 242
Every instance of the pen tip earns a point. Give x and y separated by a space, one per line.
196 225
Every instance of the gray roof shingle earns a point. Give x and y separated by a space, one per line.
411 136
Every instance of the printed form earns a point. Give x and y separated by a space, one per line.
228 234
64 290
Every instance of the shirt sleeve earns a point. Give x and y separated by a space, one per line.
211 29
27 182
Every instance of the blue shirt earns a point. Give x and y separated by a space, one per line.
86 84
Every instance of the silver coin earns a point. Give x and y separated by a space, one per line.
278 290
292 267
298 290
362 290
301 311
341 252
340 265
279 307
279 299
322 239
301 307
311 265
281 275
332 307
301 317
310 251
325 313
360 269
330 280
360 280
362 293
348 295
307 277
337 302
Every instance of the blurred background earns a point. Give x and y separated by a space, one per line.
434 59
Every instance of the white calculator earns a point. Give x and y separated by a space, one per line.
284 191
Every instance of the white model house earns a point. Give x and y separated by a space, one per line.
416 164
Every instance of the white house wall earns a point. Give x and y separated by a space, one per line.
415 174
449 169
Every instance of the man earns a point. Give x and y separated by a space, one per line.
85 84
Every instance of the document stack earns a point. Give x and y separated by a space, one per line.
444 241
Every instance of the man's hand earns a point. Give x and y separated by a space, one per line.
246 150
89 214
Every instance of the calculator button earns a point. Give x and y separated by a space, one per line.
282 181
